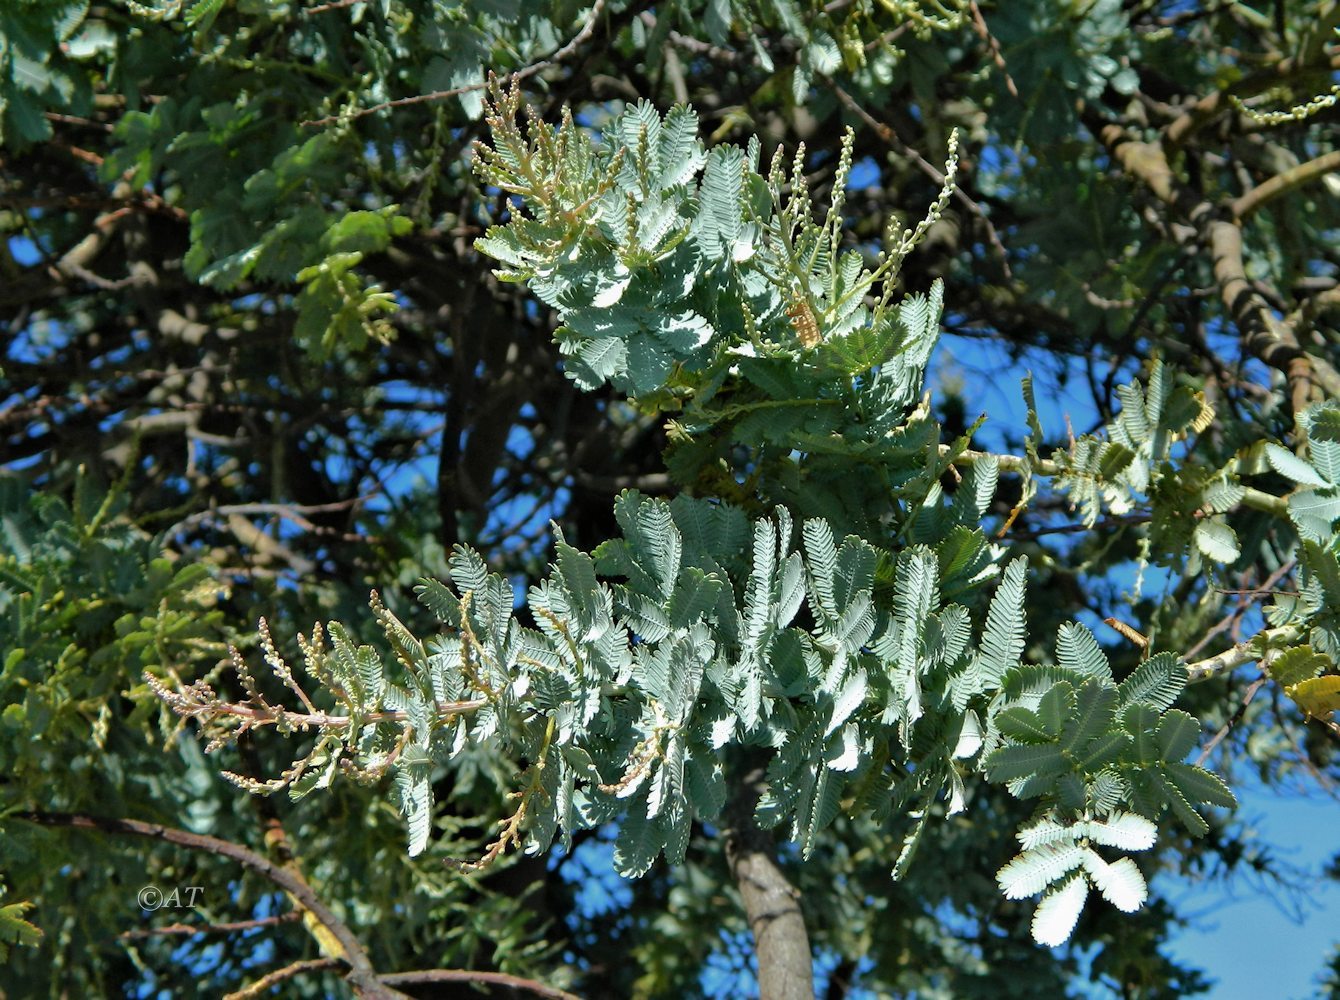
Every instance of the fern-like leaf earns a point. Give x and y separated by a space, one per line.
1078 650
1003 640
1033 870
720 215
1157 682
1055 918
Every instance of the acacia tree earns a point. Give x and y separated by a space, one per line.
801 627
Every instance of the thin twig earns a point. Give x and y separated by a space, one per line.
289 511
1286 181
470 976
887 133
1241 608
1115 521
1233 720
983 32
228 928
557 56
279 975
361 975
1303 757
321 8
53 116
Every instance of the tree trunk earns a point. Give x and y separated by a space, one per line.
771 903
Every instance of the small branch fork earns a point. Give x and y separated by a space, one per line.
338 735
1249 651
511 826
557 56
1233 720
1218 228
361 975
1245 601
225 721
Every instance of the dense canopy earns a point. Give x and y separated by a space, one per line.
789 443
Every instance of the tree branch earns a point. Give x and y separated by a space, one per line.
1262 334
361 976
470 976
1233 720
1252 498
278 976
290 511
1244 652
771 903
558 55
1207 107
1282 184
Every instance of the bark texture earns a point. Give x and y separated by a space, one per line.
771 903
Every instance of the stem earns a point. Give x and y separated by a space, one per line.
1251 497
771 903
1283 183
365 981
470 976
1244 652
361 976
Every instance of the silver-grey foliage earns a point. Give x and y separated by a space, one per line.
829 605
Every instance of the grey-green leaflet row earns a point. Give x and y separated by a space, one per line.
833 606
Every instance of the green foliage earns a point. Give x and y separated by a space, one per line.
95 616
624 696
34 73
1127 463
679 638
664 262
736 310
88 602
219 214
14 929
1104 759
721 296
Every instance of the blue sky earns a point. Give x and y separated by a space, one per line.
1245 939
1257 944
1252 944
